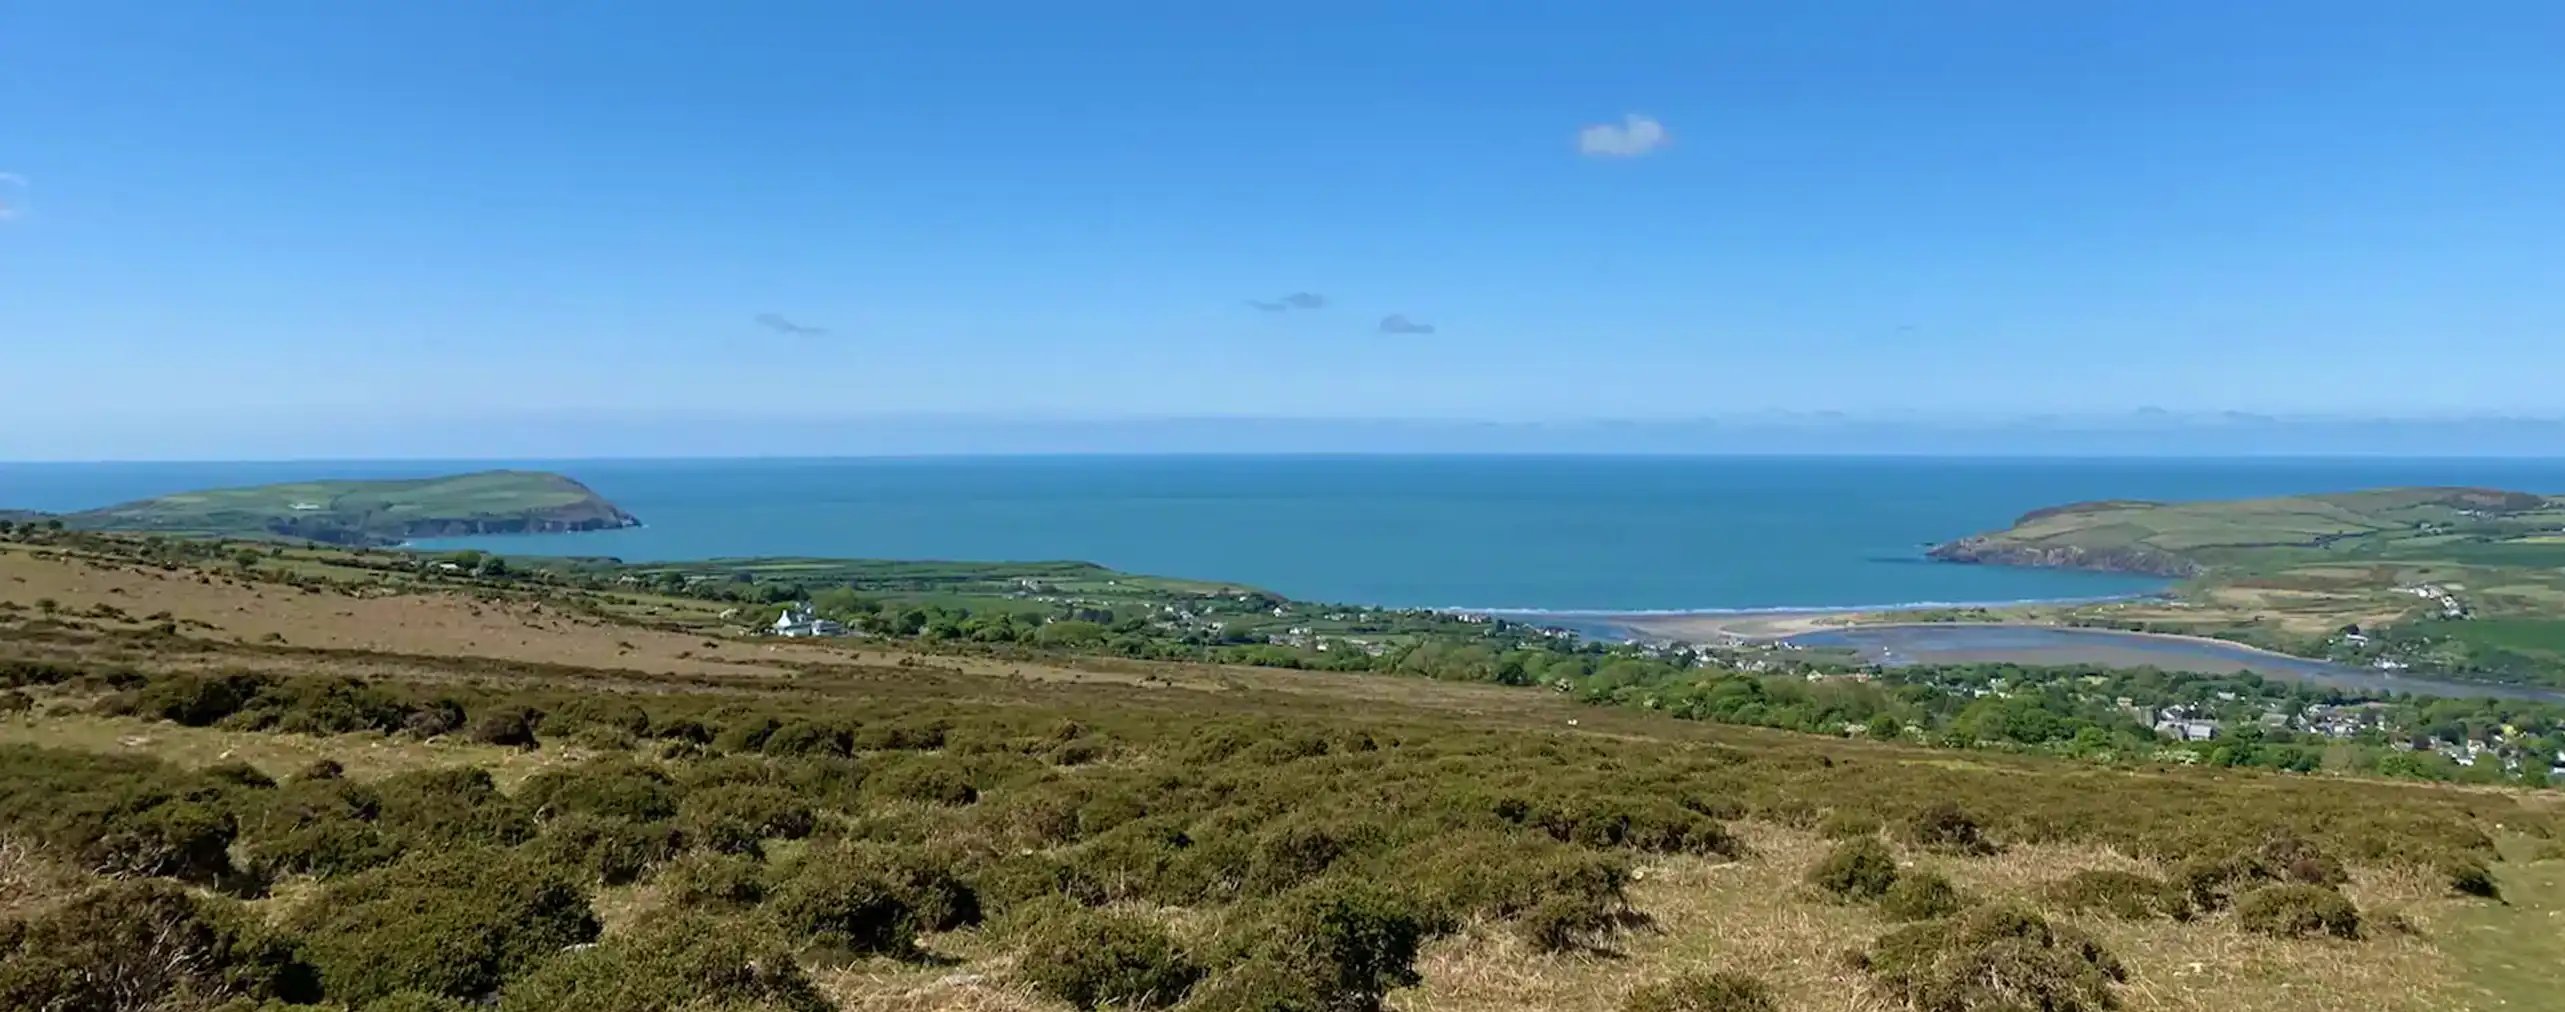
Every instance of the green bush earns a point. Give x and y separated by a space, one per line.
2125 895
131 945
451 806
735 818
836 910
620 789
1568 923
2296 859
1097 959
2469 877
239 774
1703 992
925 779
455 923
616 851
1995 958
117 814
508 726
1333 944
1920 896
678 965
1945 827
1857 869
327 847
198 700
711 879
2296 911
415 1001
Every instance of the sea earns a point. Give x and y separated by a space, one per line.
1569 535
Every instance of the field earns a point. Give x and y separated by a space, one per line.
745 824
367 512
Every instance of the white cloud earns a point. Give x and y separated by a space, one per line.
1635 135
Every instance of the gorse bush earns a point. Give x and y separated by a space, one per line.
2126 895
1920 896
676 965
1946 827
1333 944
1997 957
2296 910
1857 869
1096 959
129 946
1703 992
126 816
456 924
835 910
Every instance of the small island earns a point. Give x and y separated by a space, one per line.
369 513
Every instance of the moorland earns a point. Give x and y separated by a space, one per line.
264 775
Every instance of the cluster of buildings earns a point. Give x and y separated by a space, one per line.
799 622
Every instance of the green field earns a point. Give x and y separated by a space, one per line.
368 512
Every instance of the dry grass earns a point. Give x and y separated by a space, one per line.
1755 917
28 881
277 755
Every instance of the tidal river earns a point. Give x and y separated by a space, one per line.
2018 644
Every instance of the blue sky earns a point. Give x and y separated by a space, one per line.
283 220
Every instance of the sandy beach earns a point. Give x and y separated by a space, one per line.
1759 625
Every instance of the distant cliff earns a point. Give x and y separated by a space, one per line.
1996 551
2189 539
372 512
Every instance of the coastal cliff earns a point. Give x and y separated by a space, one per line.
372 513
1996 551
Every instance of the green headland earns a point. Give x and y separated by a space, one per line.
369 513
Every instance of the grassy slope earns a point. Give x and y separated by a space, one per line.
1752 915
2288 571
377 510
2402 523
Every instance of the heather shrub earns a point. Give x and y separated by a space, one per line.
676 965
2296 911
1947 828
924 779
734 818
1995 958
508 726
2470 877
2126 895
1333 944
126 946
620 789
455 923
1857 869
834 911
450 807
1703 992
713 879
1918 895
1098 959
615 850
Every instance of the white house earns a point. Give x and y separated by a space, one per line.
799 621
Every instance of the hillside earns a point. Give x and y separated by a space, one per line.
370 512
2191 539
301 785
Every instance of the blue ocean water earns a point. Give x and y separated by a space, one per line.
1531 533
